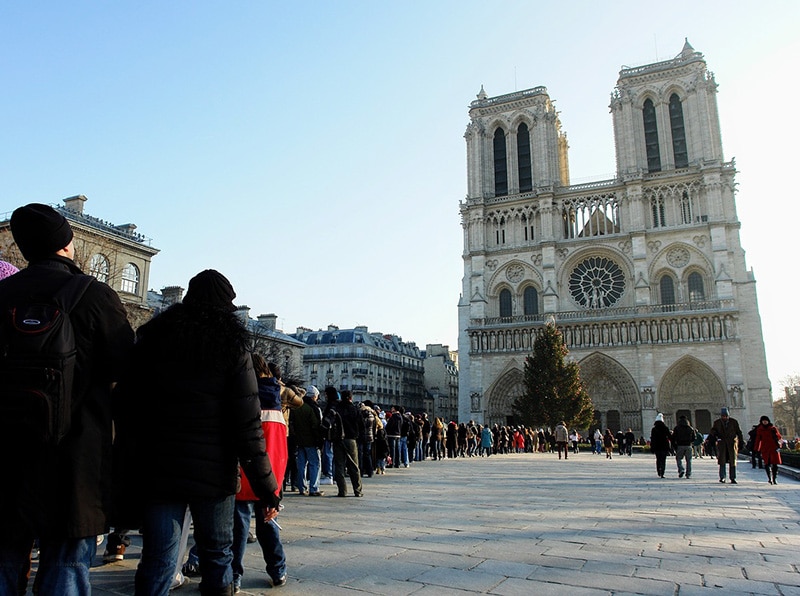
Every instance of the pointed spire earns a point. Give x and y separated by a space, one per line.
687 50
482 94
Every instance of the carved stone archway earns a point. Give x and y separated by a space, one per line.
612 389
689 385
502 395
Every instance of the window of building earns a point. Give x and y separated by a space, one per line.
531 301
500 165
524 158
686 208
657 209
505 303
500 232
667 290
99 267
678 132
697 290
651 136
130 279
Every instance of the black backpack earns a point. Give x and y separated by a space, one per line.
331 426
37 363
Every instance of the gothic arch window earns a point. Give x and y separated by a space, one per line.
658 211
505 303
651 136
99 267
530 300
687 208
130 279
527 227
500 164
500 232
524 158
678 132
666 287
697 292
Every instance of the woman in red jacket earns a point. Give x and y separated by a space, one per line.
768 442
267 532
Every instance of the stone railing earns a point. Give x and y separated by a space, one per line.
607 332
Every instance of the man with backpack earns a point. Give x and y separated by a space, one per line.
64 338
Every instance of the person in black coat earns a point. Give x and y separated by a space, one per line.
61 493
660 444
190 414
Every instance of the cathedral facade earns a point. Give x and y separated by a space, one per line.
644 274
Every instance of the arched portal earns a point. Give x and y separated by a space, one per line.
501 397
690 387
613 392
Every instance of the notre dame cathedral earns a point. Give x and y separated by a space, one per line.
644 274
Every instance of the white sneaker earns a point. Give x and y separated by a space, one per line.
177 581
326 480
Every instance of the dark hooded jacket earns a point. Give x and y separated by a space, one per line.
190 411
65 492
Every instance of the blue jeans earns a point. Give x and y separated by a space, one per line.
308 457
404 450
63 565
161 533
269 539
394 450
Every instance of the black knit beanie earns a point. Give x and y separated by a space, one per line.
210 288
39 231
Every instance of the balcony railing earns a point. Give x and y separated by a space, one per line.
608 313
659 324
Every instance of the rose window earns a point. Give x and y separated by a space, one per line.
597 282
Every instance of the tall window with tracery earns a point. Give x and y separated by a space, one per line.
651 136
500 164
697 292
667 290
524 158
657 209
500 232
130 279
679 149
686 208
531 301
505 303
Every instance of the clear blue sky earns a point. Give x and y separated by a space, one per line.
314 153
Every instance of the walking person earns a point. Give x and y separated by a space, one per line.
660 444
727 437
682 438
56 473
608 443
190 413
768 443
562 436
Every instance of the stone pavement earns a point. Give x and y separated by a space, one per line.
532 524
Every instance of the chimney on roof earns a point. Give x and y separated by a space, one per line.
171 295
127 228
268 321
75 204
333 328
243 312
